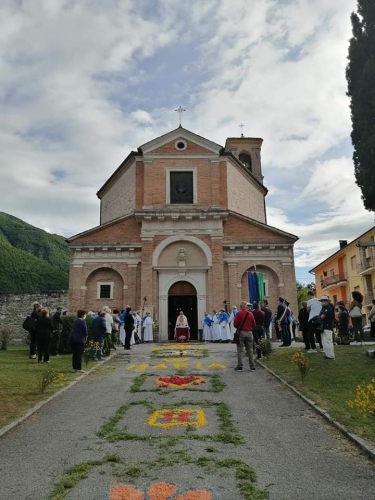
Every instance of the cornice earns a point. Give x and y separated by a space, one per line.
188 214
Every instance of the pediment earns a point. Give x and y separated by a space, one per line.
166 144
241 229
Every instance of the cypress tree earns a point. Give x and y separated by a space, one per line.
360 75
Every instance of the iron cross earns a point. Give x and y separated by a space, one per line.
180 110
241 127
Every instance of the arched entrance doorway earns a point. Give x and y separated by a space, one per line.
182 296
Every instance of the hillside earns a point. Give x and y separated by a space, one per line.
31 260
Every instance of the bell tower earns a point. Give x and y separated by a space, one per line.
247 150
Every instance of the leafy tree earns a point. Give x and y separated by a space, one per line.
360 74
302 291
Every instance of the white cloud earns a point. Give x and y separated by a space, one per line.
66 68
338 212
142 117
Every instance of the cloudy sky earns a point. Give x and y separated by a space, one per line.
83 82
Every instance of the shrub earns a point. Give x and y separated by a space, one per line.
6 335
302 362
48 377
90 351
264 346
364 400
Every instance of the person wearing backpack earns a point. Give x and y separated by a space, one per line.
33 338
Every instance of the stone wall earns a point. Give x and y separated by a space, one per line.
15 307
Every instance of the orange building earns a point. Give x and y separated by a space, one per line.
351 268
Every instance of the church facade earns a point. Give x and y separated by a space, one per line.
182 222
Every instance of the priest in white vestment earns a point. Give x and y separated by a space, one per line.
181 331
216 330
231 322
148 326
207 327
182 320
224 326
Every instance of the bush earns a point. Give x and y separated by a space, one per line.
48 377
301 361
264 346
6 335
67 330
364 400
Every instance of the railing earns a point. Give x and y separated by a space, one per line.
333 280
366 264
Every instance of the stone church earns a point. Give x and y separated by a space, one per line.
182 221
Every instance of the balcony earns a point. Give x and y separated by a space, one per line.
367 266
332 281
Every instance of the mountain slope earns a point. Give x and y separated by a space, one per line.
31 260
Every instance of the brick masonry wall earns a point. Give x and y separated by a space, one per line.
244 196
92 303
155 181
241 231
119 199
15 307
126 230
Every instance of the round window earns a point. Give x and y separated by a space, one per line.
180 145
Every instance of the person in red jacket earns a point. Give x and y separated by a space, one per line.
244 323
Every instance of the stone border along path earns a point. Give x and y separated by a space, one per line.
262 443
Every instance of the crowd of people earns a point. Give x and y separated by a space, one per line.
220 326
317 320
45 332
124 328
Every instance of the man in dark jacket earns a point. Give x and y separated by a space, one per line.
327 315
282 319
57 323
33 338
98 332
267 319
303 320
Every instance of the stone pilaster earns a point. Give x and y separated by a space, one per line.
234 291
130 293
147 274
217 273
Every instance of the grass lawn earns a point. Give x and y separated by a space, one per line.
18 381
332 383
